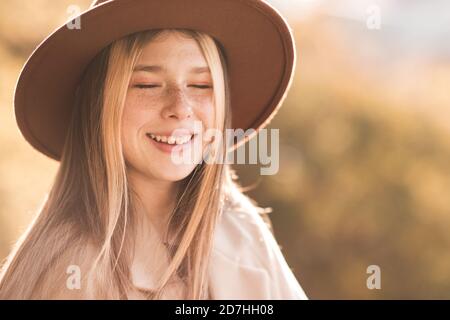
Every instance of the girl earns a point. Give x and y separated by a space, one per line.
123 219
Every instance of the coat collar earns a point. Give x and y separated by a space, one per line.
246 262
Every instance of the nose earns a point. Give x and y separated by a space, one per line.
177 105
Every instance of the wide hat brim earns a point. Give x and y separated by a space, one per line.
258 44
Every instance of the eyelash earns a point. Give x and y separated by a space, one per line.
150 86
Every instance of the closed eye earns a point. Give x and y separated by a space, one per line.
146 86
201 86
150 86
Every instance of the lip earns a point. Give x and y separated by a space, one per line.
168 148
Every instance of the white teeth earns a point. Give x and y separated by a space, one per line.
171 139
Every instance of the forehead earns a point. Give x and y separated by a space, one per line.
172 48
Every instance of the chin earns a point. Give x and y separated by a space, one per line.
174 173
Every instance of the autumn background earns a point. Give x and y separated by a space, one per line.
364 173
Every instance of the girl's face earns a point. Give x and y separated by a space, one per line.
170 95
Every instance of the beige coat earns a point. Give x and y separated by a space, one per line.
246 261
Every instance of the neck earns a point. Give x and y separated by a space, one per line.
157 200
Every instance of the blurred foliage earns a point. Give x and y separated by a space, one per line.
363 162
364 174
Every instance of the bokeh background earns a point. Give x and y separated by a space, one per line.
364 174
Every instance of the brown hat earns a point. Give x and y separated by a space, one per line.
258 44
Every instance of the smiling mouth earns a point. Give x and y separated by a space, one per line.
172 141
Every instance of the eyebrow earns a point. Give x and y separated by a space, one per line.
159 69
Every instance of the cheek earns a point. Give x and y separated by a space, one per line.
206 112
133 119
134 113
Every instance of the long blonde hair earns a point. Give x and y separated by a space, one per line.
91 200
